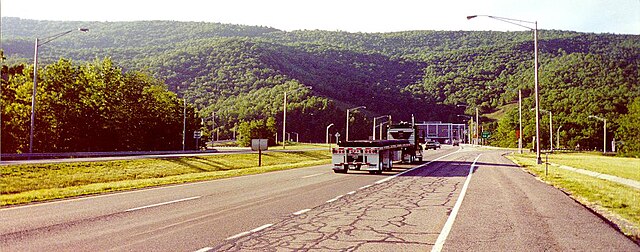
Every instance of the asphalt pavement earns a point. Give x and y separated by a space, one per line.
460 199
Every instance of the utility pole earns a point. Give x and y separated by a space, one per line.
184 123
213 126
284 121
520 117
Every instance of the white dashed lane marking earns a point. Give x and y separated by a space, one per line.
162 204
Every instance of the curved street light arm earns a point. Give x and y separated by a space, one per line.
507 20
46 40
597 117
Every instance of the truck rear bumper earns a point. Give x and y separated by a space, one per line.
356 166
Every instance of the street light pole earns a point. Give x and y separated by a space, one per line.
284 117
327 135
374 124
520 120
470 124
347 129
184 122
604 145
41 42
550 131
284 121
213 125
535 59
477 124
558 138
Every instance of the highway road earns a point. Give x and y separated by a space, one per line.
460 199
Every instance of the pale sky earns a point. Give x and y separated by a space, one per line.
600 16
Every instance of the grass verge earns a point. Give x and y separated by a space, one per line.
618 203
31 183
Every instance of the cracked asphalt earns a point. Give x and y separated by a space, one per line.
403 214
505 209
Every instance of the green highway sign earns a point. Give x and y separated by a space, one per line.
486 134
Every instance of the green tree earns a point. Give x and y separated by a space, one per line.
263 129
629 130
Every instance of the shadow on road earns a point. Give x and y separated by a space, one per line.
435 169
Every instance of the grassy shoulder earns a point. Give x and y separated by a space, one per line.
30 183
623 167
617 202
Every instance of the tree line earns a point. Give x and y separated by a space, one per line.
241 73
92 107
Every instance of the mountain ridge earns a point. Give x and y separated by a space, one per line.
424 73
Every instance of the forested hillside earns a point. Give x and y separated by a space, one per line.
242 72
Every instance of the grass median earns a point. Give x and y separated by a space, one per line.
30 183
619 203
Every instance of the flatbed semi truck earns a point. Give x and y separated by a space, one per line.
376 156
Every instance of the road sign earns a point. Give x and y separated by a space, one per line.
259 144
486 134
197 134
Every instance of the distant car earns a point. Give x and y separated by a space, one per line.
431 145
456 142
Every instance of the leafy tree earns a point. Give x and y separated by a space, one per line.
629 130
257 129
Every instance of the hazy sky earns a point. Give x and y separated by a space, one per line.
600 16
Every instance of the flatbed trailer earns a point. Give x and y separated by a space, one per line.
373 156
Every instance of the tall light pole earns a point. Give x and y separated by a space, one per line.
349 111
381 126
477 124
558 138
41 42
535 62
476 138
604 146
284 121
469 133
284 117
374 124
327 135
213 125
184 122
520 120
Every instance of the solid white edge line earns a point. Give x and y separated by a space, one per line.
161 204
238 235
204 249
364 187
351 192
417 167
334 199
258 229
437 247
301 211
